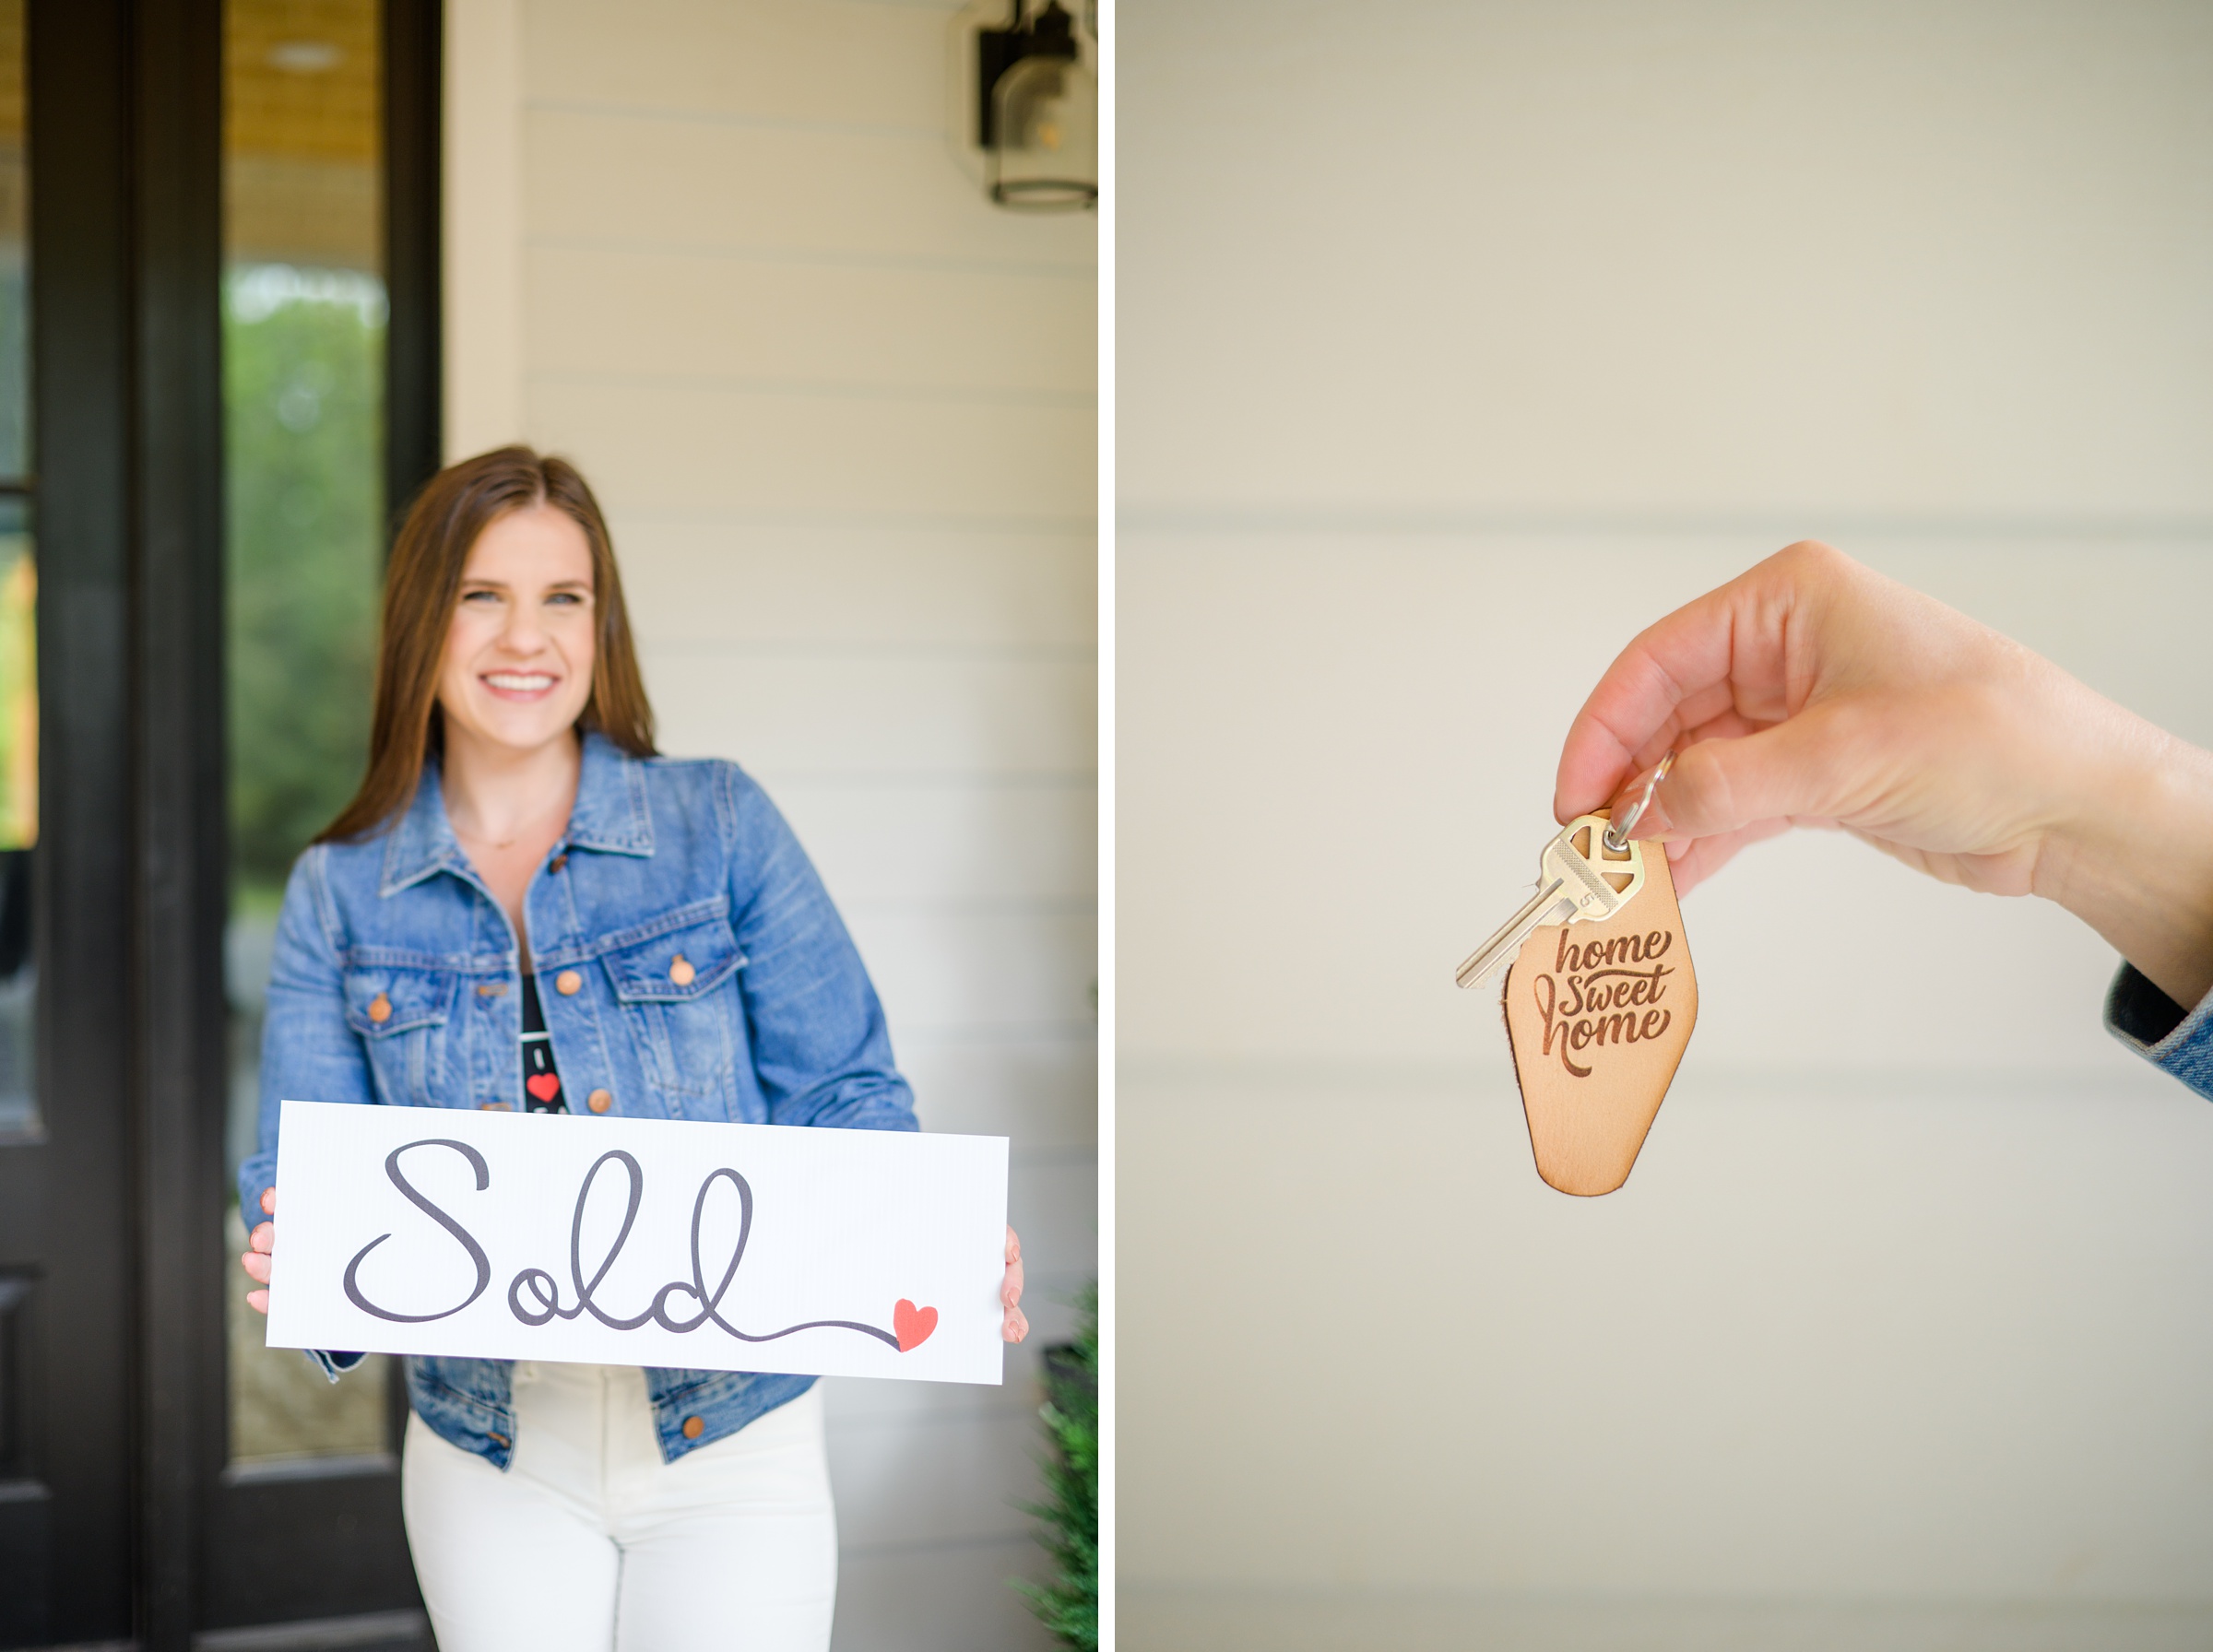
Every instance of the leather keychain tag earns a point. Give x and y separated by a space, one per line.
1598 1014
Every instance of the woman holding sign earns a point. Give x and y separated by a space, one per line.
515 813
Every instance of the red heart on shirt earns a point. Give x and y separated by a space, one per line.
544 1086
913 1325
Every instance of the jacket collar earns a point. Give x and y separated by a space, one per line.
611 815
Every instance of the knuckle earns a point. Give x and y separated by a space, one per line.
1812 556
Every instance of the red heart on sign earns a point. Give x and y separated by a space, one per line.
913 1325
544 1086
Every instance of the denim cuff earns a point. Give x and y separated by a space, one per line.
334 1365
2175 1040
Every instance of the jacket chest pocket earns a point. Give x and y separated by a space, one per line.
401 1016
678 994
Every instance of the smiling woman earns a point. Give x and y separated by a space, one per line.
537 562
515 826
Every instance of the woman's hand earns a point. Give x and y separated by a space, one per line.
1016 1326
1811 690
256 1261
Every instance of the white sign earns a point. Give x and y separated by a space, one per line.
639 1241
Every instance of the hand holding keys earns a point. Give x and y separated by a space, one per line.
1598 1018
1589 872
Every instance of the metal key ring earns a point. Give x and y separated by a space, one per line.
1617 836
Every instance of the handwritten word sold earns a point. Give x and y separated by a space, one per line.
672 1306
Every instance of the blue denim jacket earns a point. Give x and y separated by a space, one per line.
2175 1040
779 1023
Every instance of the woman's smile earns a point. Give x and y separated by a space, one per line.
520 685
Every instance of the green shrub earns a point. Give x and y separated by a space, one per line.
1068 1604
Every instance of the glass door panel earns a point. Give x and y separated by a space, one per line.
304 368
18 817
18 610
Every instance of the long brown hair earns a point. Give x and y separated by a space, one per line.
421 586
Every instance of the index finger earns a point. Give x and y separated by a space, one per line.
1650 693
1722 652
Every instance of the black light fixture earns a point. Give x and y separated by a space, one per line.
1038 112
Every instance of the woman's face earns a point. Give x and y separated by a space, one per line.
518 657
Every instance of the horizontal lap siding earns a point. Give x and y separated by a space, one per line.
720 315
716 445
656 180
840 413
1442 374
862 714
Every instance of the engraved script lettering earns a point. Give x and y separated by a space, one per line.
1594 996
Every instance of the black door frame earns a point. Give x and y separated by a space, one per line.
120 1524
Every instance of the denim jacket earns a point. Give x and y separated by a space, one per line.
777 1024
2175 1040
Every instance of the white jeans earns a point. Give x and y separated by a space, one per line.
590 1543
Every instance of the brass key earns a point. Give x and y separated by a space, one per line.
1581 878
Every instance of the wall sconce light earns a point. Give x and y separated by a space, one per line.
1032 107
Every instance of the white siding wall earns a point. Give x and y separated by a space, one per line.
1434 318
840 412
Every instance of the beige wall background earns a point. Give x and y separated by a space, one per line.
840 412
1457 342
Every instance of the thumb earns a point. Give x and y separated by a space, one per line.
1725 784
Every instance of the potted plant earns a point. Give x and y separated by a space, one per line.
1068 1605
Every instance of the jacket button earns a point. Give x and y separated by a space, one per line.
568 984
380 1009
491 989
600 1101
559 861
693 1428
682 972
496 1439
495 1106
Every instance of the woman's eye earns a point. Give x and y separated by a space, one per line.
573 599
479 597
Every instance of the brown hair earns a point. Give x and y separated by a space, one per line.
422 584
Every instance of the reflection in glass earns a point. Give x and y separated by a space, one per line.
304 331
19 821
18 610
15 263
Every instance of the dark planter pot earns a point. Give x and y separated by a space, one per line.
1062 1364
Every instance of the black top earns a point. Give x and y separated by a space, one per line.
2140 1010
542 1080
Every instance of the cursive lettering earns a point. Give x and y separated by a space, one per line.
1592 998
546 1294
533 1295
476 1251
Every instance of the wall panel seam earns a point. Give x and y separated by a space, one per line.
813 389
798 254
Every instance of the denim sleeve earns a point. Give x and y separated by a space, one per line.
2175 1040
308 1053
821 1049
